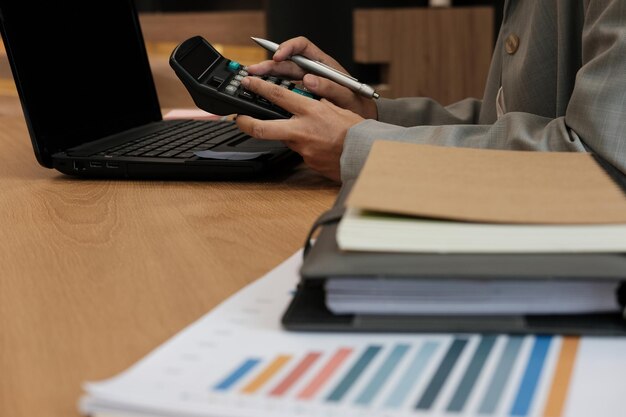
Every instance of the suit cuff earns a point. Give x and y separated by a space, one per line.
358 143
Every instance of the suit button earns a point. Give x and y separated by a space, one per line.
511 44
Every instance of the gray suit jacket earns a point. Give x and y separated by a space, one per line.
564 89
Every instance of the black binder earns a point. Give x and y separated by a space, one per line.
323 259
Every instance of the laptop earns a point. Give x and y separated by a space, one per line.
91 106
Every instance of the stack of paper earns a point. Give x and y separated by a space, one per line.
459 297
434 200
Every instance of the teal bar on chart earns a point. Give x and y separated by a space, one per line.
501 376
411 375
441 375
381 376
354 373
471 374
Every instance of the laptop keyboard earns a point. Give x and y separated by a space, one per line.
180 140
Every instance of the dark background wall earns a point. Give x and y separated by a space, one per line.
327 22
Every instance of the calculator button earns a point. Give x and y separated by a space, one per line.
235 83
286 83
246 94
264 101
238 77
273 80
243 73
302 92
234 66
230 89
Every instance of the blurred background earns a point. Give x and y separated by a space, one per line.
403 47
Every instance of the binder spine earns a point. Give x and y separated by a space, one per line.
331 216
621 298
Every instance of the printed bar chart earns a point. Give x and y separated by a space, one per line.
239 361
404 376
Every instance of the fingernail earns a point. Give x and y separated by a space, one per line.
245 82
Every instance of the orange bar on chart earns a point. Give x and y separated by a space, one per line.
562 375
266 374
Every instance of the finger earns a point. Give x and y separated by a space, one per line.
285 69
282 97
328 89
281 129
303 46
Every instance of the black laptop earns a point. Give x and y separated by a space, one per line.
91 106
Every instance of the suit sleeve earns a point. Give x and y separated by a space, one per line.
417 111
595 118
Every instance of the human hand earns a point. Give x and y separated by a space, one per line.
316 130
281 66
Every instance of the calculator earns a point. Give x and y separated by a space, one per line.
214 82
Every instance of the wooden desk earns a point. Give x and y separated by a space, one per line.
95 274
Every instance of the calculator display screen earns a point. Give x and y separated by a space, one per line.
199 59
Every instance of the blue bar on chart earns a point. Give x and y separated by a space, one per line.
531 376
412 374
381 376
237 374
501 376
354 373
472 373
441 375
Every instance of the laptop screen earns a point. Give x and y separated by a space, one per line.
81 70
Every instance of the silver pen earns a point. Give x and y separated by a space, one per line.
323 70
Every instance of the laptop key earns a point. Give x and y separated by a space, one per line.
169 154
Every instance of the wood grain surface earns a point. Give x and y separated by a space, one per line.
94 274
